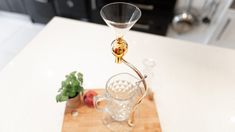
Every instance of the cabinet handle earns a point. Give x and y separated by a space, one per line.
141 26
93 4
145 7
223 29
42 1
70 3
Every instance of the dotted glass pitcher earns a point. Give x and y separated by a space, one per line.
118 99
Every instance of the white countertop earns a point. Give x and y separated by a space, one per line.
194 84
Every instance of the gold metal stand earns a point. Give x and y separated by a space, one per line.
119 49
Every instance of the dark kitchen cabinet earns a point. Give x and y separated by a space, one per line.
12 6
4 5
40 11
76 9
156 14
17 6
95 6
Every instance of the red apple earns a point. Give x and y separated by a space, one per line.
88 97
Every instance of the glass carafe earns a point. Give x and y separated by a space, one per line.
119 98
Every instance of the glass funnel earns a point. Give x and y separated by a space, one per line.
120 16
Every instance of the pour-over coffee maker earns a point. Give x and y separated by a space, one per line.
124 92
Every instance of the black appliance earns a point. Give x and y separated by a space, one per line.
40 11
156 14
76 9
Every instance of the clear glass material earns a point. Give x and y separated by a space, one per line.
119 98
120 16
149 65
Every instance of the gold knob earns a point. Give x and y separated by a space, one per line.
119 49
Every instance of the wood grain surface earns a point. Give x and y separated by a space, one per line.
89 119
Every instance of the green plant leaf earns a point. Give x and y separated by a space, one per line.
71 86
80 77
72 94
61 98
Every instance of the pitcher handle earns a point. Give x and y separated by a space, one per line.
96 100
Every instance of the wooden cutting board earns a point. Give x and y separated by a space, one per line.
89 119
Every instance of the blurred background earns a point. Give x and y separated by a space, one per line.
208 22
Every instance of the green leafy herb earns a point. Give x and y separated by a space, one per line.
70 87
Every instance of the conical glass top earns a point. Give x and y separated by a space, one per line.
120 16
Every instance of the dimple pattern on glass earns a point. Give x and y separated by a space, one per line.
121 89
119 110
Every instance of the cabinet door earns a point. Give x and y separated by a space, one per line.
72 8
4 5
16 6
95 6
40 11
